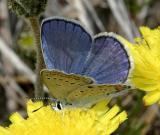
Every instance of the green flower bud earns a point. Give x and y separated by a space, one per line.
27 8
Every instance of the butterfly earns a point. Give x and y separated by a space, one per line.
81 69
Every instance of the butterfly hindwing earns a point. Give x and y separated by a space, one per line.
65 44
60 85
108 62
90 94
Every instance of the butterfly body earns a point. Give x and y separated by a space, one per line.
81 69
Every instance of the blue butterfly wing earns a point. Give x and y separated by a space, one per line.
108 62
65 45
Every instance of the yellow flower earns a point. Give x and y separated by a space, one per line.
43 120
146 57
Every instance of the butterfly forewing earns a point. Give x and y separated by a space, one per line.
61 84
65 44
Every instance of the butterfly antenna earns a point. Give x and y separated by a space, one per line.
44 98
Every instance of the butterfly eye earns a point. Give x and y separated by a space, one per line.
59 105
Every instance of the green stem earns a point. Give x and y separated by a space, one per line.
40 62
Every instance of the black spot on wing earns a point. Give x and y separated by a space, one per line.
90 86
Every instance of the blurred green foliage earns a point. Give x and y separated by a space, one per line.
26 40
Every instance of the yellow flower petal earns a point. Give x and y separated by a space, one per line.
4 131
16 118
111 113
69 121
101 107
116 121
146 58
152 97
